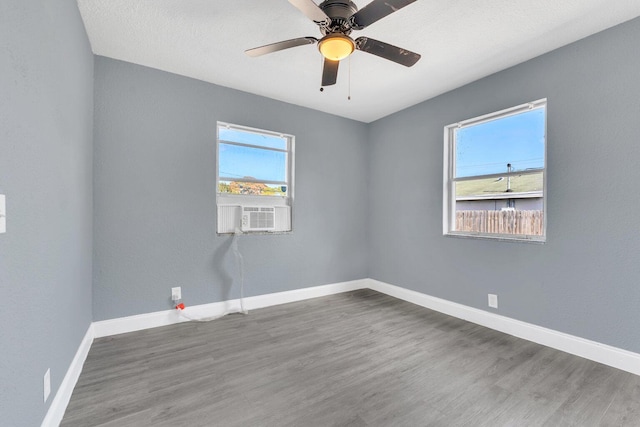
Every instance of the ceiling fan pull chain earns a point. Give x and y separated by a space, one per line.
349 96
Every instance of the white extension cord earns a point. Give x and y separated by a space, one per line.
240 263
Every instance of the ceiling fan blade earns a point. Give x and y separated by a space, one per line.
330 72
387 51
312 11
274 47
375 11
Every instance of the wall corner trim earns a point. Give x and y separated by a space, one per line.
63 394
592 350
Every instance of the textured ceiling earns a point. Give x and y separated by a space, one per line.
460 41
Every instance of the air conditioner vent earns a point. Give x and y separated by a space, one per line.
258 218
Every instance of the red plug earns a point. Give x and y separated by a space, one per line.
180 306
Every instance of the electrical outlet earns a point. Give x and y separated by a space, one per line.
176 293
47 384
493 301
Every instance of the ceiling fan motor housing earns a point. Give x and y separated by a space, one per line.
340 12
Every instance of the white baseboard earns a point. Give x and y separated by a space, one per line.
602 353
63 395
122 325
104 328
268 300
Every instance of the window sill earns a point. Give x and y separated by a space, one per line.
499 237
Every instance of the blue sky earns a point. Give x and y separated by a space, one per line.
238 161
488 147
480 149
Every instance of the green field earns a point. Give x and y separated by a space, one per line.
488 186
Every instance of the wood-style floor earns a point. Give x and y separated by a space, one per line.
354 359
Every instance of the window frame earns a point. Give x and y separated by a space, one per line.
252 199
449 178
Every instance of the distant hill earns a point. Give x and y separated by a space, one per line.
250 188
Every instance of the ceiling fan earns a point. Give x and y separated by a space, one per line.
336 19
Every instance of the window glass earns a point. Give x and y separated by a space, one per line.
495 173
252 138
251 188
500 187
237 161
488 147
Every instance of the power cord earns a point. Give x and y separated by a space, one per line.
179 305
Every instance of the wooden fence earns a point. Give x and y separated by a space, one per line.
501 222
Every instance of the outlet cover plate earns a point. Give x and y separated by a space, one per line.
493 301
176 293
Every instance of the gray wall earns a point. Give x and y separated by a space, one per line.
154 192
584 280
46 114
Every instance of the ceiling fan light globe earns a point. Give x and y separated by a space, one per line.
336 47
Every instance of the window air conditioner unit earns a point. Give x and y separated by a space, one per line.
258 218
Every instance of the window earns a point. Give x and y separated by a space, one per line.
254 179
495 175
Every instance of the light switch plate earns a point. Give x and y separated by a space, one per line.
3 214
